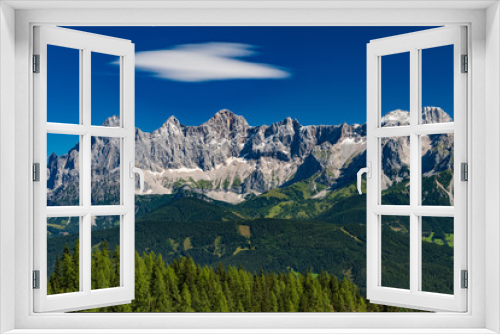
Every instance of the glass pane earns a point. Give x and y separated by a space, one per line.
105 89
437 254
396 252
395 89
395 179
105 171
437 169
105 252
63 170
437 85
63 255
63 85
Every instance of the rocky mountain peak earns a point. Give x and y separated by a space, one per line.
113 121
171 126
225 118
171 120
289 122
53 156
287 126
435 115
224 113
396 117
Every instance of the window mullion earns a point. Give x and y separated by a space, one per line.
418 165
85 166
414 170
81 222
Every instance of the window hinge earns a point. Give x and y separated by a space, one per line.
36 279
465 279
464 171
465 64
36 63
36 172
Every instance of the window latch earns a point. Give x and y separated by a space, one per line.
368 171
134 170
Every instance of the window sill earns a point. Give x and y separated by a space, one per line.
251 331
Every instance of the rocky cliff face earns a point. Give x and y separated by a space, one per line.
228 160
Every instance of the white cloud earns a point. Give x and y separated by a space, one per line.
206 62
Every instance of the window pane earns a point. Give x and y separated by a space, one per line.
437 85
437 254
105 252
395 90
63 255
105 171
395 179
396 252
437 170
63 170
105 89
63 85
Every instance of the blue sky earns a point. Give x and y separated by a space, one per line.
314 74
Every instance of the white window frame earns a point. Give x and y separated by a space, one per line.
85 43
414 43
483 102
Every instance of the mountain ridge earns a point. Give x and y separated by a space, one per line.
227 159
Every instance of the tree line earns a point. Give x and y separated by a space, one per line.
184 286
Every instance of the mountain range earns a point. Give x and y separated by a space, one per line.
228 160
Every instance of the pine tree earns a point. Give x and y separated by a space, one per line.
221 272
49 288
335 295
273 303
257 294
161 302
57 277
186 299
229 299
346 292
76 262
172 288
116 266
142 301
219 301
69 272
204 305
293 292
195 298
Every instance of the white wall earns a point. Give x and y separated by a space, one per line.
492 166
7 160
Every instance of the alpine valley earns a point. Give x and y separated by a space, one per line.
278 198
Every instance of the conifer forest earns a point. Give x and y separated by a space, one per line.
184 286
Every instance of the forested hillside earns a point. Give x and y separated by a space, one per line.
210 233
184 286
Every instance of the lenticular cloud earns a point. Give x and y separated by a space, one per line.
206 62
